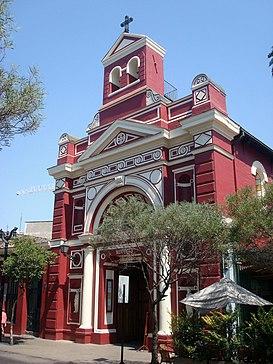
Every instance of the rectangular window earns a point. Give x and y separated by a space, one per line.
78 215
109 295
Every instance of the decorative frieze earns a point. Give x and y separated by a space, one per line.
180 151
125 164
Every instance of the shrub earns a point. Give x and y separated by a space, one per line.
257 337
187 331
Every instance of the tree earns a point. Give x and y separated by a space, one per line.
251 229
26 263
21 97
177 237
270 56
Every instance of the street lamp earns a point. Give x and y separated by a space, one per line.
64 250
5 237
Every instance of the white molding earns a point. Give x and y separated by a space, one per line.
132 183
136 128
215 148
127 96
143 40
258 167
212 120
124 87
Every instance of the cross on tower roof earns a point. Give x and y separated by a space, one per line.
126 23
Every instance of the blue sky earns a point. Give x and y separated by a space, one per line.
226 39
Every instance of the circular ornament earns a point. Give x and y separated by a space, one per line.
155 176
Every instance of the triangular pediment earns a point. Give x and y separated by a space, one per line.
128 42
119 134
124 40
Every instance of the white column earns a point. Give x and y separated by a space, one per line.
165 308
86 316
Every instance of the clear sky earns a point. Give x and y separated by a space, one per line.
227 39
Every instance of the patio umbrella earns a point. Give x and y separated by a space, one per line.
221 293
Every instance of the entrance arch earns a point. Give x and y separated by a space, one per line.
131 183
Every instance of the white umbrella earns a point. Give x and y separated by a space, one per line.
221 293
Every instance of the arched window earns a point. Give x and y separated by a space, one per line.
114 79
132 69
261 178
185 187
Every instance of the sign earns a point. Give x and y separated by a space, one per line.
123 283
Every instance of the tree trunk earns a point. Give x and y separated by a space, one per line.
12 322
154 359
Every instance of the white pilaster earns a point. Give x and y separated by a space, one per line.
165 308
86 317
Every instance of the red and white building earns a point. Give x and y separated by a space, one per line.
141 141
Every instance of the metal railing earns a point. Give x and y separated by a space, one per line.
170 92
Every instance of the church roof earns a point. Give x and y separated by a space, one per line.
127 43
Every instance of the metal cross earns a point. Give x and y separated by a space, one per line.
126 23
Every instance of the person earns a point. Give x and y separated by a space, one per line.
4 322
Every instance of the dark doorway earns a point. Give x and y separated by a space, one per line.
33 306
132 324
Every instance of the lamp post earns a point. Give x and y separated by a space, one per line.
5 237
64 250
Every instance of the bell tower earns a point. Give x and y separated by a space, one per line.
133 64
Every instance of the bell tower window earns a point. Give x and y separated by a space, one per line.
132 69
261 178
114 79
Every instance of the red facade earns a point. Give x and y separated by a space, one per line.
140 141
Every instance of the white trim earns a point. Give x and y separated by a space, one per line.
130 60
80 252
211 120
141 42
258 167
110 79
131 184
215 148
183 102
138 129
87 291
124 87
97 281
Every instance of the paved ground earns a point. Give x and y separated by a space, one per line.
29 349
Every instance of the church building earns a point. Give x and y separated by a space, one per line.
145 141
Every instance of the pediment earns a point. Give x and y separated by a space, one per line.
124 40
119 134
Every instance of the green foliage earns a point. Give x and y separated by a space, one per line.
27 261
186 333
219 334
174 226
212 336
21 97
251 230
257 337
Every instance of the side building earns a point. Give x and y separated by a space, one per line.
142 141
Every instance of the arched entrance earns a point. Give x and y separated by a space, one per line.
130 318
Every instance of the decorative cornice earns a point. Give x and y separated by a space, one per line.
211 120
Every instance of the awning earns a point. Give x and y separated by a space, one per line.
222 293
